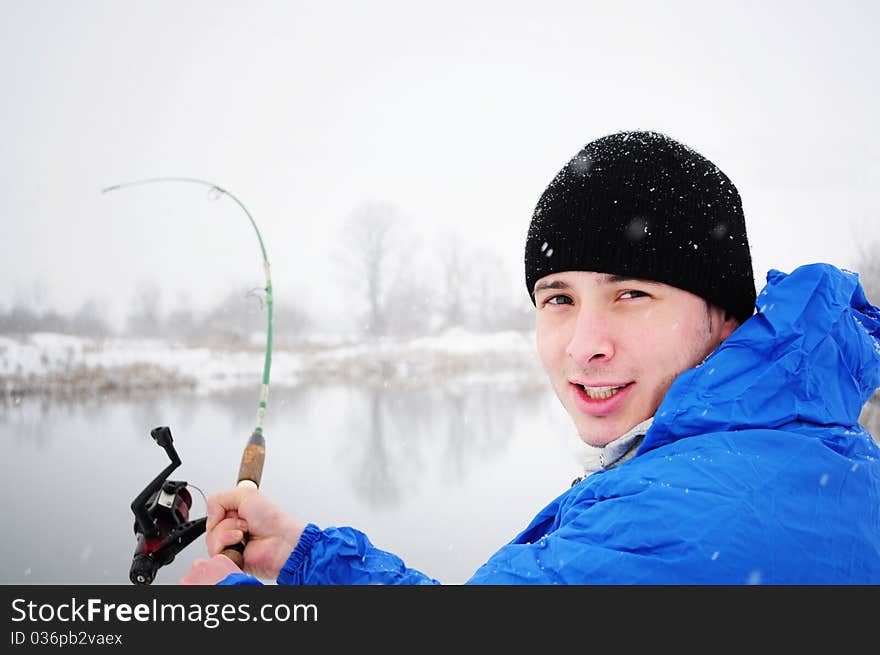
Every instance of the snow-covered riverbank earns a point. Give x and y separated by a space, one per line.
49 363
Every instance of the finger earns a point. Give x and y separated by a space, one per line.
217 512
194 573
231 523
223 566
219 536
220 540
223 503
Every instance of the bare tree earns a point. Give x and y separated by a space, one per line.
368 240
410 305
181 321
498 303
19 320
290 323
90 320
235 317
455 262
479 290
143 318
35 296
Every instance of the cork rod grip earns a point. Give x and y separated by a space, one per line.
248 476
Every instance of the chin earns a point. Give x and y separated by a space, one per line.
608 432
598 439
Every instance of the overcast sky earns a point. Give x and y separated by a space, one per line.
457 113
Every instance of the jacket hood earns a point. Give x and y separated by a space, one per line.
809 357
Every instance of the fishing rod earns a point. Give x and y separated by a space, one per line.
161 510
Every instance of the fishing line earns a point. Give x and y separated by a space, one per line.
216 191
205 498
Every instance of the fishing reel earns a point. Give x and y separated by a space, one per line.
161 513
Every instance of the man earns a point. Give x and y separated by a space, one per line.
721 447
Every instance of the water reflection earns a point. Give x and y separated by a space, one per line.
394 438
442 476
376 458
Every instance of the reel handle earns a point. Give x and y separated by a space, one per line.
249 473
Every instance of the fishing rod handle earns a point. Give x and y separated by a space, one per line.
249 474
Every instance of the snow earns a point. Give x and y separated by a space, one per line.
49 362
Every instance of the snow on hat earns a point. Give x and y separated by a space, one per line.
644 205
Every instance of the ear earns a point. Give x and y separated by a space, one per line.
728 326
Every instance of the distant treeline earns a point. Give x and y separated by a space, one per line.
21 320
242 314
395 282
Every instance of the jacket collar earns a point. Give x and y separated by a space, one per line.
807 361
614 453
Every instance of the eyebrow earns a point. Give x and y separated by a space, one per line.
605 279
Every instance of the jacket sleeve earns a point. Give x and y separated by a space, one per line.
339 556
577 554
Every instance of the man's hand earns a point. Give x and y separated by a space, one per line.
272 536
210 571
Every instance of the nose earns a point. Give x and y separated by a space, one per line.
592 341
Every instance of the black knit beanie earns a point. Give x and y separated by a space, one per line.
644 205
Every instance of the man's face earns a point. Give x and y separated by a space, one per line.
623 339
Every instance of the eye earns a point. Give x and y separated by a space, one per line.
558 299
630 294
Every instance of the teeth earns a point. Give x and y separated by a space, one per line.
600 393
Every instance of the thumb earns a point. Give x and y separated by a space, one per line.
221 504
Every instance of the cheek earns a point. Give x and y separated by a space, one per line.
676 348
646 340
661 351
550 345
544 351
668 333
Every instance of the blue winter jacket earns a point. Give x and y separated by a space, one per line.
754 471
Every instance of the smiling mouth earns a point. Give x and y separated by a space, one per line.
602 393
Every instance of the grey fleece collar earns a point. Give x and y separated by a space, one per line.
614 453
